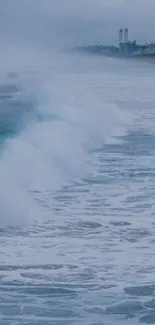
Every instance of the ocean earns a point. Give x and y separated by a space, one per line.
77 227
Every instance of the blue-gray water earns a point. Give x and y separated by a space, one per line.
77 193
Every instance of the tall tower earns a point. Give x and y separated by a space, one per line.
121 35
121 44
126 35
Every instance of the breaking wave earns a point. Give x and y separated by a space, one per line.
49 130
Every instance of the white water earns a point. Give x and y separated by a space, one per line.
74 120
77 184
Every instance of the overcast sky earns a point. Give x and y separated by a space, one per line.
76 21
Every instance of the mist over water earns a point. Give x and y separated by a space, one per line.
50 128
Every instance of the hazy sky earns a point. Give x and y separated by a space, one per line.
76 21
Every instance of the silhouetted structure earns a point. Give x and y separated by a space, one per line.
125 48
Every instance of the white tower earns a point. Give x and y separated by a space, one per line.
121 35
126 35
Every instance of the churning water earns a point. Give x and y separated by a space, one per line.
77 179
